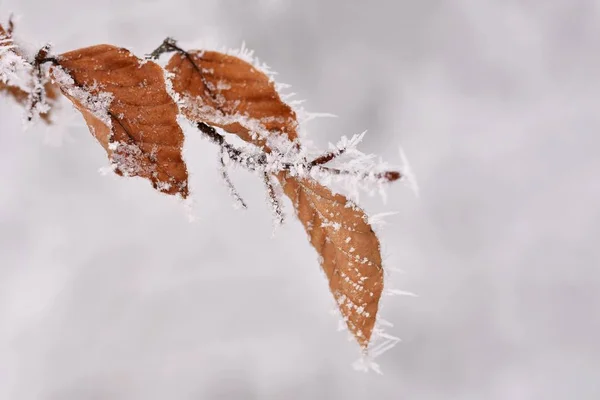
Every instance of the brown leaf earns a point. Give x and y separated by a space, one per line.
139 129
219 88
348 248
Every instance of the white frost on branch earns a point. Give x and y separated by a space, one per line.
349 169
37 102
15 70
360 172
238 202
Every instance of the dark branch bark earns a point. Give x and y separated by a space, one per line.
274 199
259 161
325 158
38 95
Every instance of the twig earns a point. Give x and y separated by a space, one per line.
325 158
274 199
251 161
259 161
232 190
168 45
38 94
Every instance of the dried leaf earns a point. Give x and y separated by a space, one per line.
225 91
128 109
348 248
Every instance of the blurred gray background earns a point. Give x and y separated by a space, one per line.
107 292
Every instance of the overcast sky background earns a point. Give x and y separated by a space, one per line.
107 292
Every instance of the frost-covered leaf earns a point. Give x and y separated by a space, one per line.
228 92
348 248
128 109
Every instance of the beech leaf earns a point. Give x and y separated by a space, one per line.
228 92
127 108
348 249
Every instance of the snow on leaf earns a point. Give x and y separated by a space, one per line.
127 108
225 91
353 267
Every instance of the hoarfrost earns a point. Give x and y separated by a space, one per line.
379 219
397 292
97 104
15 70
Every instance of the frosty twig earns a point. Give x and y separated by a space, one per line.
133 108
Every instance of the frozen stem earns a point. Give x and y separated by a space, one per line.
167 46
259 161
274 200
325 158
239 201
37 98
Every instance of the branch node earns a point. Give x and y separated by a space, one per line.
274 200
167 46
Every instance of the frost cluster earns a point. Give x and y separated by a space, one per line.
15 70
97 104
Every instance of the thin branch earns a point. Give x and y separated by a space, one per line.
387 176
232 190
274 199
168 45
251 161
325 158
259 161
37 97
45 60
